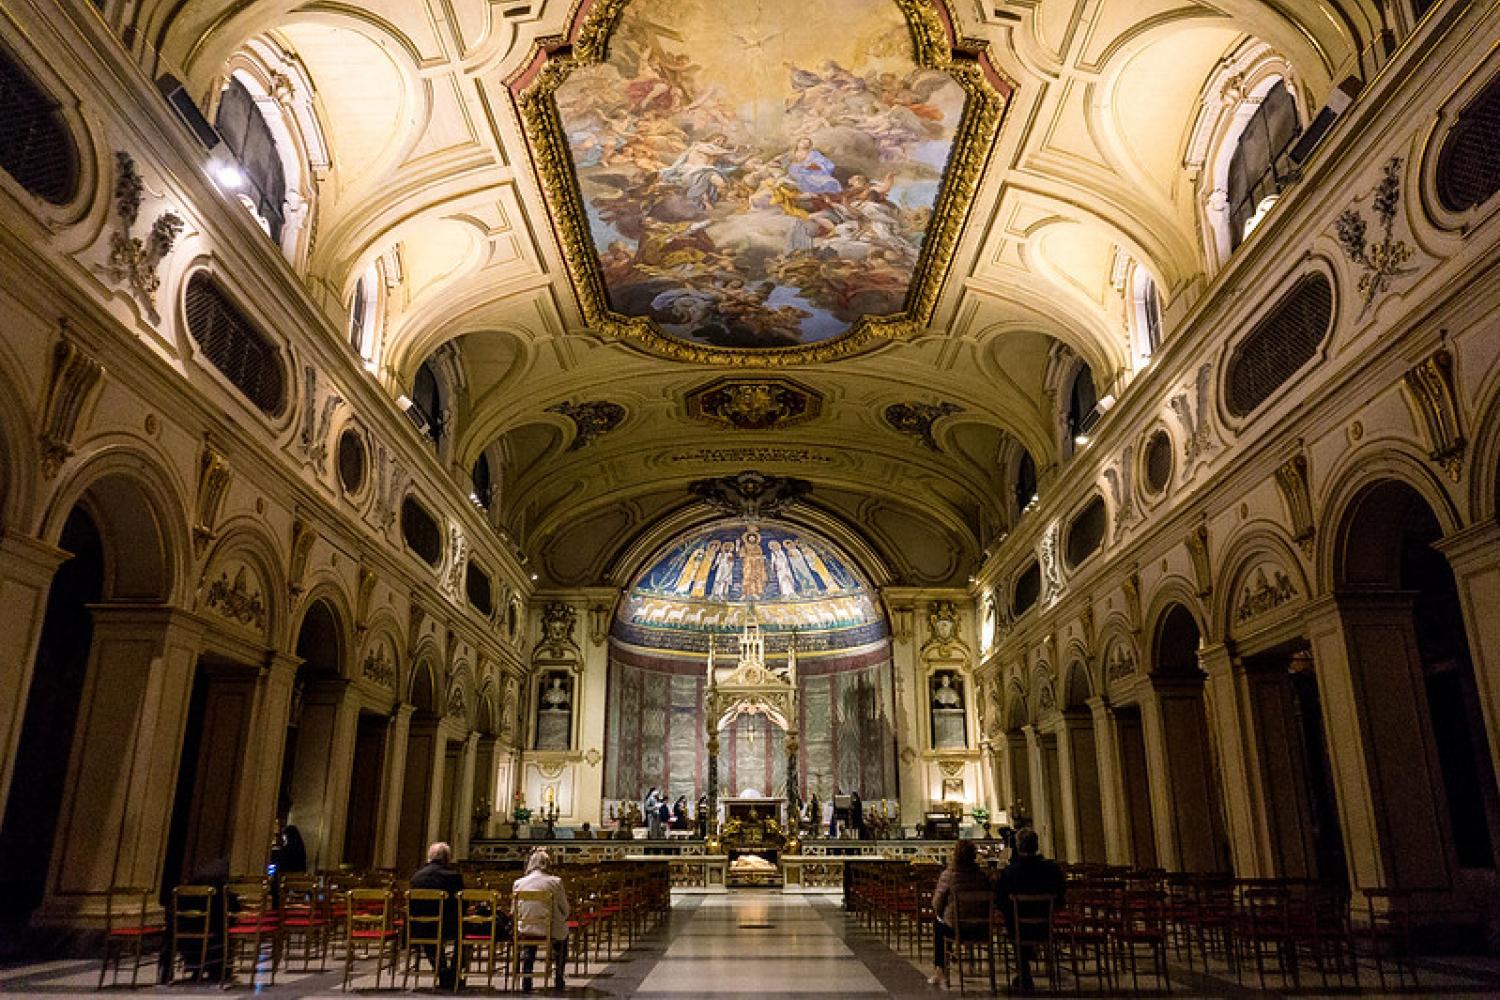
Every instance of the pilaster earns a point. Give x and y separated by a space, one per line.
26 570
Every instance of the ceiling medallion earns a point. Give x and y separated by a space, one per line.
759 185
754 404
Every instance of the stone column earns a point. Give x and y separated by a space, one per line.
1245 800
793 785
1386 776
122 775
393 785
1042 810
463 807
1111 784
1474 554
323 768
260 772
26 570
1278 793
713 782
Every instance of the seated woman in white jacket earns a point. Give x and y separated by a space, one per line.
536 918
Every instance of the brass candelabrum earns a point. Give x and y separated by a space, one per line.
549 816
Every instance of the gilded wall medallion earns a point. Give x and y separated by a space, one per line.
754 404
728 191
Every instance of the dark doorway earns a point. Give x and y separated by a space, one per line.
362 821
1136 779
51 719
1328 835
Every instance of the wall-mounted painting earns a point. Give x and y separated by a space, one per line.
737 186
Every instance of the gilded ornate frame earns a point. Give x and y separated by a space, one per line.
937 46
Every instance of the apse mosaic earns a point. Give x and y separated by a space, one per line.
748 186
711 581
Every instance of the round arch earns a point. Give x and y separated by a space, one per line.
132 496
1370 467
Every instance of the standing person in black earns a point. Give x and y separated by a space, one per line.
857 815
439 873
1028 874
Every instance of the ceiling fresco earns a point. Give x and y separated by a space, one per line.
739 186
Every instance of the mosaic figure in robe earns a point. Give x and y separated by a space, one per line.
783 571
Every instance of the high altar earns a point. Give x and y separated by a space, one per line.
754 834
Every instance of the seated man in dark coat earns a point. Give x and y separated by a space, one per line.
1028 874
439 873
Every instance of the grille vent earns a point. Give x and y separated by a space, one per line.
1468 167
351 461
1028 589
35 145
232 345
1158 462
1279 345
1086 532
481 593
420 532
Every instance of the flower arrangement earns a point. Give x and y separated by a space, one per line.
981 815
520 812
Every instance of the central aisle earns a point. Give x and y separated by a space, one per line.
767 944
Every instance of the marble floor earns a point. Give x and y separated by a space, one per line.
767 946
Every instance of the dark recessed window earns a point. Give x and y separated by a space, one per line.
421 532
1260 167
35 145
1158 462
1468 167
357 311
240 352
1280 344
1083 400
1086 532
249 138
427 403
1028 590
477 585
1151 315
480 476
1025 480
351 460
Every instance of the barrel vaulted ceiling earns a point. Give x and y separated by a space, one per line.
431 166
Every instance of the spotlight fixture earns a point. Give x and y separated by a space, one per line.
1081 440
229 175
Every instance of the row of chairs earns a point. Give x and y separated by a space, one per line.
248 925
1121 923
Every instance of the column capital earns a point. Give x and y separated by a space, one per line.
30 559
1216 659
1099 705
471 742
403 712
1472 546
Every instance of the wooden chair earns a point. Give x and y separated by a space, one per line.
971 938
369 927
1141 927
1387 932
193 928
424 934
128 933
250 926
1264 929
519 941
305 918
478 929
1031 928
